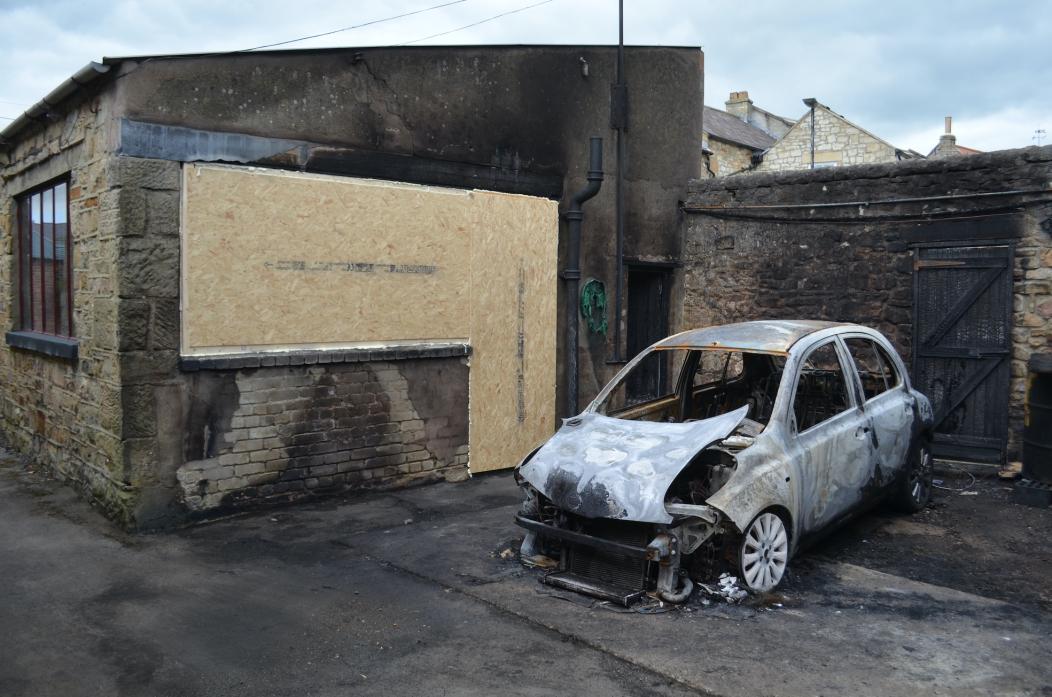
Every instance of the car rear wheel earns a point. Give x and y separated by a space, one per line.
764 552
914 489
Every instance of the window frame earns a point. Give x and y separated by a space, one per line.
850 387
885 357
49 302
23 333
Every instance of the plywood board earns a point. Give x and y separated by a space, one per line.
513 330
279 260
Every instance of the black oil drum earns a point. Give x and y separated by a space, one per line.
1037 429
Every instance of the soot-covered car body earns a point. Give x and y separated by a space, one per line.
727 443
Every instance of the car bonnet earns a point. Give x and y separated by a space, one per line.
602 467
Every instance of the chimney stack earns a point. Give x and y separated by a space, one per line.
947 146
740 105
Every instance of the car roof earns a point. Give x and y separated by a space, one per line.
762 336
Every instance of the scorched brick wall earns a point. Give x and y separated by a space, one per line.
284 431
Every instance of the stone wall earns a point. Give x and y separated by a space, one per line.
756 250
66 414
728 158
837 142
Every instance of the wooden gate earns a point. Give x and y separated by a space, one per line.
962 310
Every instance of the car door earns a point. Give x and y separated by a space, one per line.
832 438
888 404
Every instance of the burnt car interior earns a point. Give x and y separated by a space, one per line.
709 383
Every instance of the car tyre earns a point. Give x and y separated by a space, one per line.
763 552
914 488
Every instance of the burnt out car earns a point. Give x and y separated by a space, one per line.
725 444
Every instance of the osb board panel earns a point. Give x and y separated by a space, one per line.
513 329
279 260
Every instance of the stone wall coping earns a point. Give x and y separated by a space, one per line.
757 180
268 359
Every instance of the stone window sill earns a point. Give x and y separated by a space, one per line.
47 344
313 357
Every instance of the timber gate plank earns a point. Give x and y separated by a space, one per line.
962 310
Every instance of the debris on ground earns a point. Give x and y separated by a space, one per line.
726 588
958 473
1011 470
540 561
507 553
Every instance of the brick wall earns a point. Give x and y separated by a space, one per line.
855 263
67 414
836 141
282 432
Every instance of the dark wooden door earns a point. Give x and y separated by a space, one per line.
962 309
647 322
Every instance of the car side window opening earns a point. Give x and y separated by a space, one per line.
875 368
709 383
821 389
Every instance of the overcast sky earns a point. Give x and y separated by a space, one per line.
894 67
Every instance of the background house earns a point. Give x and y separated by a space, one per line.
835 142
733 140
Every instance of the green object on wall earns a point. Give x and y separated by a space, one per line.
593 306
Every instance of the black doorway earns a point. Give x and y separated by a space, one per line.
962 309
648 304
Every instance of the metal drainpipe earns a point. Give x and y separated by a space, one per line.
810 102
572 273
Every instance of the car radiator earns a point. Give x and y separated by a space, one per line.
607 568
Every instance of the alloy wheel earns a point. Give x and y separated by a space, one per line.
764 552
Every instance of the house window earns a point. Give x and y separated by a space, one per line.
45 266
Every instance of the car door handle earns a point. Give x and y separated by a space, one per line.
861 432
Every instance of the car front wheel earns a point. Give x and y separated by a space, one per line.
764 553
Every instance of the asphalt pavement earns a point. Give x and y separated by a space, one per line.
412 592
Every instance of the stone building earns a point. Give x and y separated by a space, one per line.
734 140
950 258
836 142
169 366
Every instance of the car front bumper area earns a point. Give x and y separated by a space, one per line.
619 561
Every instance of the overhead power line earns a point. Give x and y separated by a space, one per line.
356 26
8 118
475 24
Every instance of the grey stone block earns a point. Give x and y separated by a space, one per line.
144 173
149 267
